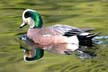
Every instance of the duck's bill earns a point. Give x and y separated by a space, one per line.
22 25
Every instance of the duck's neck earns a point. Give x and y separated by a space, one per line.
38 22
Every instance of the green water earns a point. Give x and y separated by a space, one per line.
80 13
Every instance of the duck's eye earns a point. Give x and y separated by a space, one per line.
27 14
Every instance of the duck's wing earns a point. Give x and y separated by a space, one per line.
84 35
88 29
62 29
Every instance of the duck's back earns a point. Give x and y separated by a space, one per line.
62 29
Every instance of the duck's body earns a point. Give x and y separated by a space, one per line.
51 33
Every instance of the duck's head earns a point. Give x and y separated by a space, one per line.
32 18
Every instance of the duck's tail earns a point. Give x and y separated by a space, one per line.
85 38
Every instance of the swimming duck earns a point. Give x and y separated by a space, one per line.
61 39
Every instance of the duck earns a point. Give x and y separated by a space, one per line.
58 38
